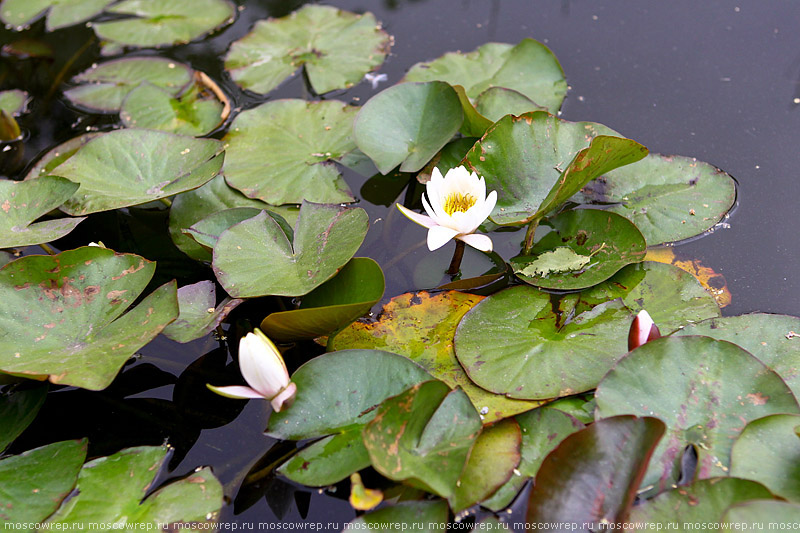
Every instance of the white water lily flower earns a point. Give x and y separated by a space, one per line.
456 205
264 370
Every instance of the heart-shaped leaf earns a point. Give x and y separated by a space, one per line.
703 389
601 243
33 483
515 343
591 478
199 312
62 314
22 202
331 306
155 23
196 498
60 13
255 258
18 408
423 435
304 141
335 47
129 167
407 124
421 327
104 87
529 68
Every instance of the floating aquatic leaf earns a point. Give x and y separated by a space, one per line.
712 281
421 327
193 113
333 305
33 483
13 102
336 48
58 155
407 124
199 312
515 343
191 207
329 460
196 498
60 13
529 68
104 87
592 476
284 151
255 257
768 451
207 231
422 516
22 202
753 514
703 389
496 102
561 259
131 166
62 314
423 435
669 198
156 23
475 124
18 408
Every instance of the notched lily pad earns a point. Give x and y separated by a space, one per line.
256 258
199 312
22 202
62 314
131 166
336 48
206 232
284 151
60 13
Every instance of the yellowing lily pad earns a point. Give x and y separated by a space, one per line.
336 48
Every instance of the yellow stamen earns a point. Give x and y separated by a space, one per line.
458 202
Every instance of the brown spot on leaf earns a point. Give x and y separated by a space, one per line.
757 398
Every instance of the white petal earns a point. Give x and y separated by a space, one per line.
478 240
488 206
438 236
481 188
437 215
285 398
422 220
239 392
464 222
262 365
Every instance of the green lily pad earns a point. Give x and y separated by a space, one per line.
329 460
514 343
422 516
191 207
339 390
529 68
601 244
33 483
703 389
131 472
61 13
537 161
754 514
255 257
62 314
199 312
423 436
131 166
150 107
593 475
336 48
492 461
768 451
669 198
333 305
303 141
772 339
475 124
22 202
157 23
13 102
421 326
207 231
407 124
702 502
54 157
542 431
496 102
18 408
104 87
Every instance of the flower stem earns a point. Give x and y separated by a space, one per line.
166 201
529 236
47 249
458 255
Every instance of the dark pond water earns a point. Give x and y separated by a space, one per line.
716 80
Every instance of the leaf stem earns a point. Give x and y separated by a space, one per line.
458 255
529 236
166 201
47 249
